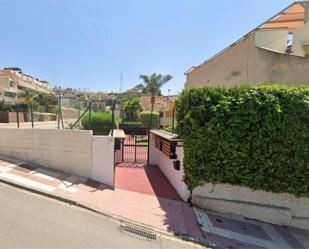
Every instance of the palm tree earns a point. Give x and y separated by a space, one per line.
153 84
131 108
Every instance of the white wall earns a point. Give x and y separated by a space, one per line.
103 159
301 36
282 209
275 40
175 177
72 151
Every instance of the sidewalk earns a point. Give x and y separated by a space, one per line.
150 206
167 215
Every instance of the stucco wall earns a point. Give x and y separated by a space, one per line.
72 151
175 177
282 209
103 159
245 64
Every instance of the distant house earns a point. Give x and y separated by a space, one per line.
13 80
163 104
277 51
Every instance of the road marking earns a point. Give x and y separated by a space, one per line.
27 182
45 174
68 183
7 168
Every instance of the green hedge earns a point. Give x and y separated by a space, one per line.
131 123
255 136
146 117
101 122
5 107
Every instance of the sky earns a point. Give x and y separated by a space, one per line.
87 44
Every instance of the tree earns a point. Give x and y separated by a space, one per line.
30 96
131 108
153 84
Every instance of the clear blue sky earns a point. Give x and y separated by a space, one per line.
88 43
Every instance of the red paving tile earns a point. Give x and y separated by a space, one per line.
147 179
4 164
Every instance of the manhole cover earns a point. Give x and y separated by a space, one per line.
138 232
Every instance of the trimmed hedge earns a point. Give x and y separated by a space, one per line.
256 137
5 107
101 122
146 117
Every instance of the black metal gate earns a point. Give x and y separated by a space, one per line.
136 148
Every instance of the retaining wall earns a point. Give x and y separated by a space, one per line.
281 209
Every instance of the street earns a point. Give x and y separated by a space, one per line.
32 221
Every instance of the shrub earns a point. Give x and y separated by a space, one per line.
130 127
146 117
53 108
254 136
131 123
131 108
5 108
101 122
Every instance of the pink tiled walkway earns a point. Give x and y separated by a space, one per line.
145 179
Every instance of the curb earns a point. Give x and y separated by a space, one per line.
117 218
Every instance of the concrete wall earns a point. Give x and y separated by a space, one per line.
244 63
11 117
175 177
103 159
282 209
166 121
272 39
4 82
71 151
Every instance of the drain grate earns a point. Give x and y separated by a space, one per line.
138 232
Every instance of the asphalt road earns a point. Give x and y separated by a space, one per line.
29 220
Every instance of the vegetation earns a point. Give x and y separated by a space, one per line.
132 123
170 129
5 107
153 85
132 108
153 117
36 100
101 122
255 136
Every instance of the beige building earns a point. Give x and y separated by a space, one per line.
275 52
8 90
13 80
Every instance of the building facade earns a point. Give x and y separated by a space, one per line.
13 81
275 52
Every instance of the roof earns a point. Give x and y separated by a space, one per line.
292 17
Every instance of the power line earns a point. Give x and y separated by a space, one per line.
76 25
95 27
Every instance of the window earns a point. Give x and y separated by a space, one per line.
290 43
